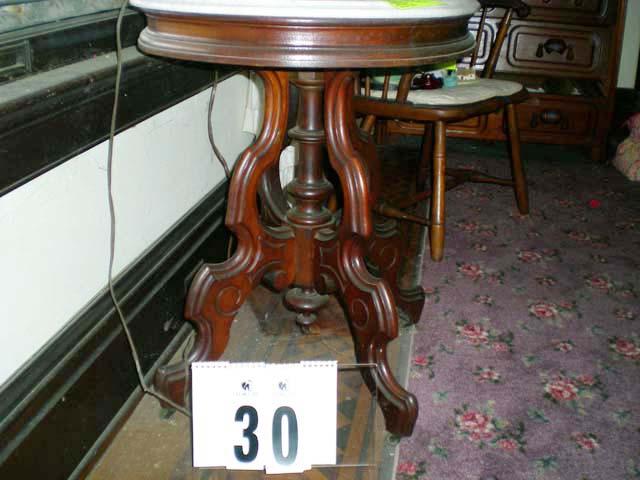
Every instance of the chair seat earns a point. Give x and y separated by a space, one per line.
465 93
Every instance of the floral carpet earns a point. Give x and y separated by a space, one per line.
527 358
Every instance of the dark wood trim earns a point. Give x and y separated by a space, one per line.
58 406
51 126
521 8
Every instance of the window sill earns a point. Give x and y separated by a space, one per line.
48 118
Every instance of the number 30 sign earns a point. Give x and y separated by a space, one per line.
254 416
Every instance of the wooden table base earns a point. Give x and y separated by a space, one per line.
310 252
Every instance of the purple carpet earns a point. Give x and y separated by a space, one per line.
527 358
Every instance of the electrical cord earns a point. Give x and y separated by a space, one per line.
212 141
112 217
112 235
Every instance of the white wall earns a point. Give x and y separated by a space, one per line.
630 46
54 231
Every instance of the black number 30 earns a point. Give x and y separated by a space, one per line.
276 435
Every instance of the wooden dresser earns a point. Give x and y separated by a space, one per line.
566 52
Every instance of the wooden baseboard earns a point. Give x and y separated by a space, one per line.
56 409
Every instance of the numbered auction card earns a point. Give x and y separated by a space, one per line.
255 416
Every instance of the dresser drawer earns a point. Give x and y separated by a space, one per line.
568 11
561 119
571 7
579 52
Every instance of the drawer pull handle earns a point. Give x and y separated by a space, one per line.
549 117
570 55
555 45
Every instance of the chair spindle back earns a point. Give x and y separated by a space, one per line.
510 6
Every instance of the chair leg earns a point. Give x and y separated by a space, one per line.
368 123
517 171
426 152
436 230
381 131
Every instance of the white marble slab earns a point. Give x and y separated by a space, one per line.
317 9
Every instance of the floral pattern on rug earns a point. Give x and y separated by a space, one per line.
526 362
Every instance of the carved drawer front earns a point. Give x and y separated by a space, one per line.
555 51
584 12
571 6
557 118
568 11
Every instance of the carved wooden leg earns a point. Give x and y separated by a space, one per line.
218 290
517 170
385 249
426 151
436 230
385 246
368 301
370 309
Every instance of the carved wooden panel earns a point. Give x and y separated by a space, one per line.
570 8
557 118
556 51
570 11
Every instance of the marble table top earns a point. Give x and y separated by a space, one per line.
312 9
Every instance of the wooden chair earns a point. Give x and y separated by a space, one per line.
437 108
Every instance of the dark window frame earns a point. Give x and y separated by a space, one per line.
51 45
37 130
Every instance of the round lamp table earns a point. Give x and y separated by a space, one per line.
309 251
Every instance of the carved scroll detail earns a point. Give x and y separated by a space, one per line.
219 290
371 307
